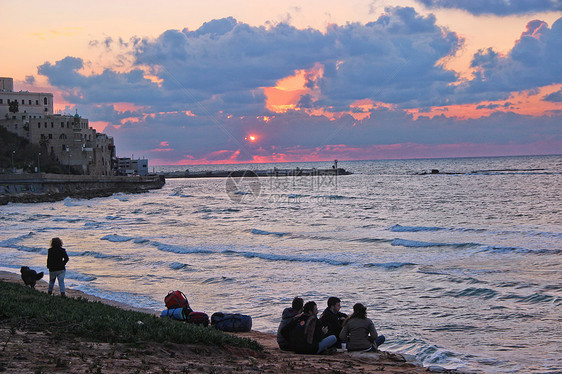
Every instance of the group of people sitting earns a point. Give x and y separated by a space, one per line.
302 331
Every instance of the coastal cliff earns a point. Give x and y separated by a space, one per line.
42 187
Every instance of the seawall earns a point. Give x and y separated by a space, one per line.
42 187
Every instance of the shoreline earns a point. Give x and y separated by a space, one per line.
272 360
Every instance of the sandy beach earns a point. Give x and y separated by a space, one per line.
27 351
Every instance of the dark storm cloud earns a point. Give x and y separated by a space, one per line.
496 7
534 61
221 68
394 59
398 51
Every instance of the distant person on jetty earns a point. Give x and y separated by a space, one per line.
359 331
56 261
288 315
332 318
306 335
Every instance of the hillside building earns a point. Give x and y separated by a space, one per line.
66 137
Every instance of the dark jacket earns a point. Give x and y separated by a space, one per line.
333 321
305 334
286 318
57 259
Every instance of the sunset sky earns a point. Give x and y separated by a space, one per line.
232 81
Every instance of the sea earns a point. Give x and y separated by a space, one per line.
461 269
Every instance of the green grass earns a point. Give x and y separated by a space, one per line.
27 309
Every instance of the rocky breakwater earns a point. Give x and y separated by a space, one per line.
42 187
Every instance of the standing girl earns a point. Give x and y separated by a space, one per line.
56 261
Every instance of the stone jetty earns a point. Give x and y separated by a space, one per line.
275 172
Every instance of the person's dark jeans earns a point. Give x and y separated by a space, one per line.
379 340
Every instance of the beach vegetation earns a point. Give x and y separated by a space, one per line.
23 308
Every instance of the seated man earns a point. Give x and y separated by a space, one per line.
288 315
306 335
332 318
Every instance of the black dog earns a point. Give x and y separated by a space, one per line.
30 277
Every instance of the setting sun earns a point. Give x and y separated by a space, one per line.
251 138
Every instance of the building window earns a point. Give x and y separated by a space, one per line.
36 102
45 100
64 147
52 150
29 102
50 136
38 125
1 101
23 101
52 125
62 136
45 124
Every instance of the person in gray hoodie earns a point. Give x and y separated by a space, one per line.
359 331
288 315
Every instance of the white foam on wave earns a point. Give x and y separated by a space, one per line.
420 244
263 232
127 298
79 276
70 220
390 265
400 228
13 243
276 257
507 250
180 249
68 201
117 238
95 254
179 265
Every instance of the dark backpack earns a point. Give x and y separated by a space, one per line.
231 322
176 299
198 318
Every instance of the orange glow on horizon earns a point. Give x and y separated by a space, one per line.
524 103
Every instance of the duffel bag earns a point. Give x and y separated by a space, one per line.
198 318
174 313
231 322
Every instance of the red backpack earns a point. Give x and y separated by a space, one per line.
176 299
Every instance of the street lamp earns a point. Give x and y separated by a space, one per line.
13 168
68 150
39 162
